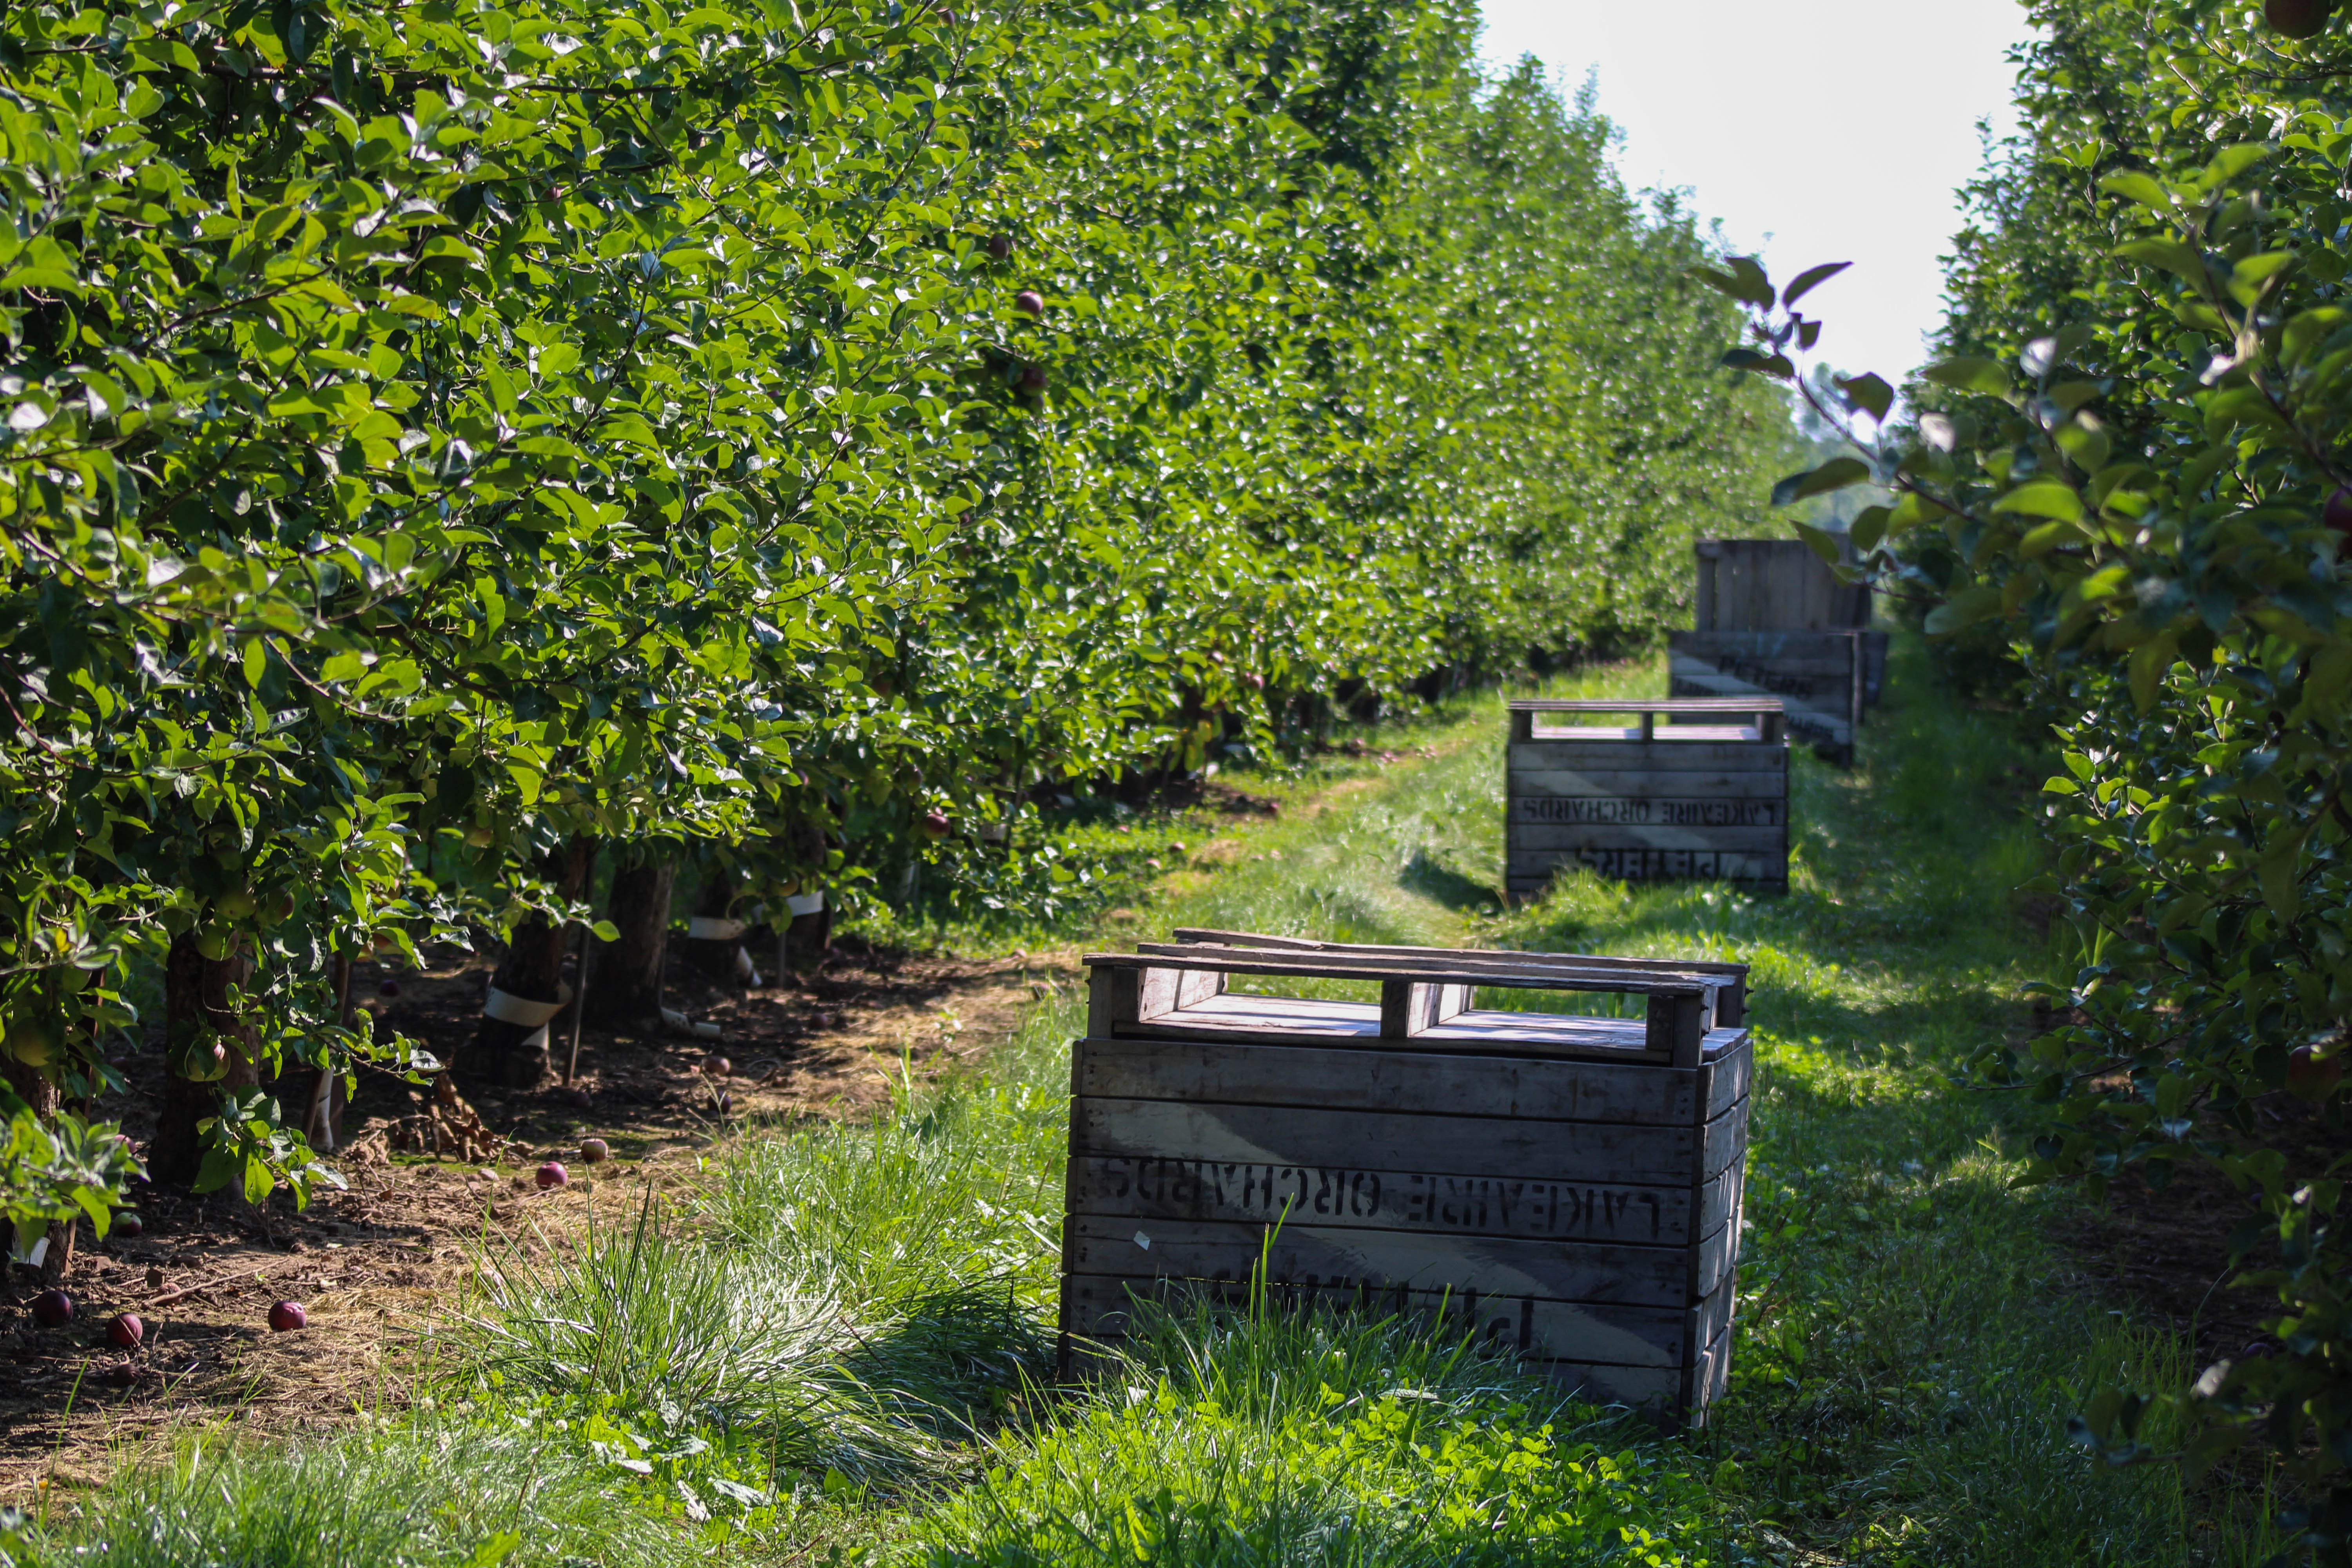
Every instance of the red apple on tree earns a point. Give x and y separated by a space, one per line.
2310 1076
936 824
2298 18
2337 514
1000 245
1029 302
1033 378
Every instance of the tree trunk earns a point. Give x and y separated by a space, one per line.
627 973
716 956
515 1056
195 1003
40 1091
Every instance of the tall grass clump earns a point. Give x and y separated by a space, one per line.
452 1489
1218 1438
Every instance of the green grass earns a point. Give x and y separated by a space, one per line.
838 1351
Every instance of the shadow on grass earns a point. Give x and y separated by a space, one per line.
1440 883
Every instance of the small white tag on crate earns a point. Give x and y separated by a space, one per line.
1143 1241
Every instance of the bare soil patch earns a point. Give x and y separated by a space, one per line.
375 1264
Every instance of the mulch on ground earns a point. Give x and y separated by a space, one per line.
377 1263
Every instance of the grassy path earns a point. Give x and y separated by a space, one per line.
832 1356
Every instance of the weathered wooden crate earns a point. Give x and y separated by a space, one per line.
1819 677
1773 585
1570 1184
1697 790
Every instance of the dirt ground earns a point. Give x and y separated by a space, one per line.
375 1264
2166 1252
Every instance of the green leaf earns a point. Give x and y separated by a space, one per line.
2168 254
1820 542
1963 610
2132 185
2276 869
1869 527
2149 662
1774 366
1970 374
2042 497
1869 394
1812 278
1835 475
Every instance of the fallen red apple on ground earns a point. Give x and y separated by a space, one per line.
389 988
287 1316
125 1330
594 1152
552 1175
128 1223
53 1309
717 1066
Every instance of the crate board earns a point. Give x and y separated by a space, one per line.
1593 1331
1569 1152
1819 676
1154 1188
1337 1078
1622 1273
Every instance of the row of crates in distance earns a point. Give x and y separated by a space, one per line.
1567 1182
1772 620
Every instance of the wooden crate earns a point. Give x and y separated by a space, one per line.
1566 1184
1819 677
1874 645
1687 794
1773 585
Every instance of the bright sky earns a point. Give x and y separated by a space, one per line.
1815 130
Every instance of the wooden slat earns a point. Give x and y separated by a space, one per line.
1634 757
1531 873
1127 1187
1338 1079
1546 1037
1663 734
1321 1256
1547 810
1624 976
1609 783
1390 1141
1198 935
1328 966
1537 838
1670 705
1102 1307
